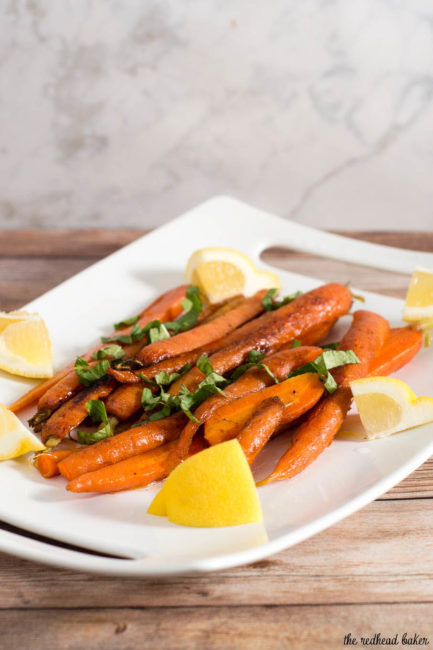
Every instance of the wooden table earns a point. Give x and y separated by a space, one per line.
371 573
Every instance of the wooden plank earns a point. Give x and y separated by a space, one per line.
383 553
64 243
278 628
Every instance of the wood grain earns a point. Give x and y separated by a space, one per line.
372 572
383 553
249 628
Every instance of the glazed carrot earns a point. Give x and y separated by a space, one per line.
165 307
280 364
134 472
365 337
47 463
260 427
126 400
203 334
298 394
221 308
399 348
213 310
123 445
272 330
73 412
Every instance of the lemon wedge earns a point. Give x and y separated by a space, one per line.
25 346
224 272
387 405
419 298
212 488
15 438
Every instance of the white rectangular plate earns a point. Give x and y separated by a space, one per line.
347 476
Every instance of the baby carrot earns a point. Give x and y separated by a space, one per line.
123 445
260 427
365 337
134 472
203 334
47 463
400 347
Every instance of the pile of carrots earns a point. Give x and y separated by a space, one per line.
253 407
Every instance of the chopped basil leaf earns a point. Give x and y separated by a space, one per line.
270 304
254 359
185 400
148 400
88 376
110 351
96 410
165 378
163 413
330 346
192 306
158 333
126 322
323 363
296 343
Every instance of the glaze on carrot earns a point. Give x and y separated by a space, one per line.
47 462
270 331
259 428
365 337
123 445
131 473
400 347
203 334
72 413
280 364
298 394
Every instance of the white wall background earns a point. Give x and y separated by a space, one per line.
124 113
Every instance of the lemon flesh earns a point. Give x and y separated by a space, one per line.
387 405
222 273
15 438
419 298
212 488
25 346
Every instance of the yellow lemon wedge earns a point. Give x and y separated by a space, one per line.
25 345
15 438
224 272
387 405
212 488
419 298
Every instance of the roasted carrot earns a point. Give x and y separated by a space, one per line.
365 337
165 307
216 309
203 334
400 347
272 330
298 394
123 445
73 412
47 463
280 364
260 427
131 473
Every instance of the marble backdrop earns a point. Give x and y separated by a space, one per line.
124 113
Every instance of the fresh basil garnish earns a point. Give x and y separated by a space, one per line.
109 352
96 409
126 322
324 363
88 375
254 361
270 304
